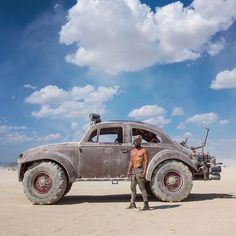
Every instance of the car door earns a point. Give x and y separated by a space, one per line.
104 154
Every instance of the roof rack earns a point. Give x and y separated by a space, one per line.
94 118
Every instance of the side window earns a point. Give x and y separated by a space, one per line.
111 135
147 136
93 137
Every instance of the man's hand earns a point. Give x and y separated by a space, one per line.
143 175
128 174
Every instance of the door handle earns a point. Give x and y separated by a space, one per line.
124 151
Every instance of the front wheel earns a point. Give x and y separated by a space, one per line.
171 181
44 183
68 188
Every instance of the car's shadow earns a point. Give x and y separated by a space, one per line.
78 199
69 200
193 197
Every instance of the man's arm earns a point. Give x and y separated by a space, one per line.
145 162
130 165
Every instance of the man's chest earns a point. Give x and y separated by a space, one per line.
138 156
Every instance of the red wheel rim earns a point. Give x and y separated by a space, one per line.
42 183
173 181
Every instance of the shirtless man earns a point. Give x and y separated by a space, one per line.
137 171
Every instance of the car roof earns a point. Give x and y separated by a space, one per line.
139 124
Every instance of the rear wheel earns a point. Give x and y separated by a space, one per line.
171 181
44 183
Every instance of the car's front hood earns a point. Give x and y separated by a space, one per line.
185 150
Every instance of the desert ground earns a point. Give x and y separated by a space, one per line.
98 208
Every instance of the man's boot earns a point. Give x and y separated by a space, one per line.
145 207
132 205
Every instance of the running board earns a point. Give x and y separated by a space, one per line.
113 180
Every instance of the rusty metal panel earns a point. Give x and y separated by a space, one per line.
103 160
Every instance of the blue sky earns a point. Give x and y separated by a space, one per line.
172 66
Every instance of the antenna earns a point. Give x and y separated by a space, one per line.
206 136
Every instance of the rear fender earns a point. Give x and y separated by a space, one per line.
168 155
53 156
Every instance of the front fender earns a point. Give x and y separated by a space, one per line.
49 155
168 155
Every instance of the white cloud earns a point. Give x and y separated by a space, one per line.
79 130
69 109
56 6
48 94
13 134
187 134
8 128
15 138
224 122
126 35
30 86
79 93
17 134
147 111
224 150
178 111
101 95
181 125
151 114
216 47
75 103
74 126
160 121
225 79
203 119
50 137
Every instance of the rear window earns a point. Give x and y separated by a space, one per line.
147 136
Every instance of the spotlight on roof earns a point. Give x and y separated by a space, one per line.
94 118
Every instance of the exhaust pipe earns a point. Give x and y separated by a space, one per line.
215 176
215 171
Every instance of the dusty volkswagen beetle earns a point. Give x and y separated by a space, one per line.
103 153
